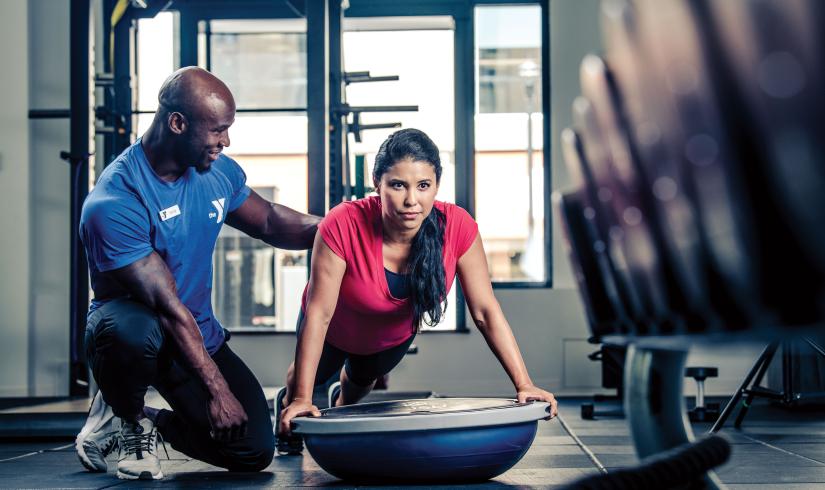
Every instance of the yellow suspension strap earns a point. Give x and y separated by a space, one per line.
117 13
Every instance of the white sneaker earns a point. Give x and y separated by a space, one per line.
138 451
98 437
333 393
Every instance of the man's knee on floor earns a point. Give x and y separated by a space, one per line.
254 457
251 462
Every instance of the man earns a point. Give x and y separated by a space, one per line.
149 228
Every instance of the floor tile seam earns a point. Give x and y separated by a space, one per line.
817 482
35 453
118 483
821 463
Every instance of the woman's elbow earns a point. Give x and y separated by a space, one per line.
481 317
319 316
487 314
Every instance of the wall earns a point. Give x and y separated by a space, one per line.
49 89
15 176
34 187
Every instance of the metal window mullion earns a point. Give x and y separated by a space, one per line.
547 144
464 93
337 134
123 72
465 113
79 79
188 29
317 14
208 44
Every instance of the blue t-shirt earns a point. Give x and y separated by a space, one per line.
132 212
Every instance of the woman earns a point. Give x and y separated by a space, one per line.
382 266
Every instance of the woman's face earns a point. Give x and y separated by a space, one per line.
407 191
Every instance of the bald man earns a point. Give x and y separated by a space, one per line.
149 228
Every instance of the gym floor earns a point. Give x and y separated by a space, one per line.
776 449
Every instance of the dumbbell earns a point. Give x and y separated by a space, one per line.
701 412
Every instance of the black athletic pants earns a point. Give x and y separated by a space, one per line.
362 369
128 352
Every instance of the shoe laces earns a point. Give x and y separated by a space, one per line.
139 442
144 442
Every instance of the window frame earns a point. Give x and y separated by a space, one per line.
547 154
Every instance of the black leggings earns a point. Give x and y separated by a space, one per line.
128 351
362 370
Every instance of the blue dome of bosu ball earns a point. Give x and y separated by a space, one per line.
430 440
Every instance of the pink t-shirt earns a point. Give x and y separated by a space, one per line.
368 318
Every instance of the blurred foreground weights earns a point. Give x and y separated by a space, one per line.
698 167
697 203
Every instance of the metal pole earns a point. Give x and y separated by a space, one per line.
122 70
759 366
338 137
79 81
317 14
530 91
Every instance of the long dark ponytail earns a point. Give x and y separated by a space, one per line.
425 265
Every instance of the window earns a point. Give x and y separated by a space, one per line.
509 161
263 62
155 61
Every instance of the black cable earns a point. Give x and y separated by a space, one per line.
681 467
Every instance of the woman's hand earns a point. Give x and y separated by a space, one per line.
532 393
297 408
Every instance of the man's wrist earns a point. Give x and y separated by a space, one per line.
215 386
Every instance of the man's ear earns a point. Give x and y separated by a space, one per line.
177 123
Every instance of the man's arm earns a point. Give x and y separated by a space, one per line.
150 282
275 224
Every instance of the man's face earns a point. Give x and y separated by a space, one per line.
208 132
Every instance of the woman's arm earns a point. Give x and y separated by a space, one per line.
488 317
325 277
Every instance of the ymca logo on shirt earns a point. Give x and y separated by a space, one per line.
169 213
218 203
